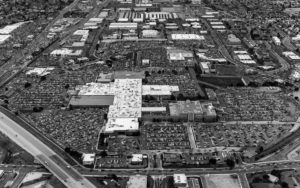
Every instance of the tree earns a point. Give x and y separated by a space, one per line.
37 109
240 84
43 78
147 74
67 86
230 163
103 153
253 84
144 81
172 98
180 97
105 117
174 72
284 185
212 161
27 85
67 149
266 177
257 180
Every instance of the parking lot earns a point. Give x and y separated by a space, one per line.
238 135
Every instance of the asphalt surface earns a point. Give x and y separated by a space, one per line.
55 164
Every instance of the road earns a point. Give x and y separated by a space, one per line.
55 164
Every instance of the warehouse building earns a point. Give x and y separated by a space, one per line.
123 26
187 37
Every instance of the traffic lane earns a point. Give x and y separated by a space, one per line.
65 166
49 164
23 137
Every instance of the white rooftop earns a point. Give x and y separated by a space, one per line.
180 179
40 71
187 37
137 157
81 32
121 124
159 89
244 57
96 89
66 52
218 26
88 157
291 55
154 109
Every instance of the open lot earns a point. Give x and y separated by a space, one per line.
222 181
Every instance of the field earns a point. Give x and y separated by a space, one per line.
222 181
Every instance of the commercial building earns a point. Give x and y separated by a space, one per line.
159 90
66 52
104 78
192 111
233 40
137 181
137 159
160 16
103 14
276 40
178 57
39 71
123 26
90 101
124 97
88 158
150 33
205 67
209 112
180 180
189 110
243 57
187 37
291 56
137 17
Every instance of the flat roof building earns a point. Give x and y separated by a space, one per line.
123 25
88 158
191 109
159 90
88 101
180 180
187 37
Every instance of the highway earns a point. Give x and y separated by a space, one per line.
54 163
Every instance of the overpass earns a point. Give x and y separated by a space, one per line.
54 163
